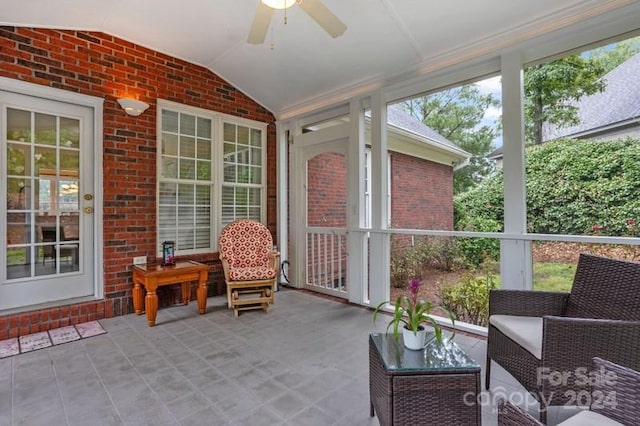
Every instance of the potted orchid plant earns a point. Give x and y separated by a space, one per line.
412 314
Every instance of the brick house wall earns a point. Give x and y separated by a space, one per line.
327 190
421 193
101 65
421 198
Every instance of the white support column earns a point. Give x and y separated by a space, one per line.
297 208
379 250
356 241
515 256
282 167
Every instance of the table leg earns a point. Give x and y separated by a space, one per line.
151 303
137 298
202 293
186 292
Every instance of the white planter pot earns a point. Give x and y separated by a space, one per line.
414 341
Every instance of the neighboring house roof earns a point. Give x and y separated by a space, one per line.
397 116
496 154
617 106
607 112
400 121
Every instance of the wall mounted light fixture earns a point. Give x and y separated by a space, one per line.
133 107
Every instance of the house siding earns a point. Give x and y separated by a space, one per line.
421 198
421 193
327 190
101 65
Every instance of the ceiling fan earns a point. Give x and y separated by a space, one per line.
314 8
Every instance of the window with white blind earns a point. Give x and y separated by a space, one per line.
210 172
242 187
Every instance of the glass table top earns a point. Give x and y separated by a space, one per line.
446 355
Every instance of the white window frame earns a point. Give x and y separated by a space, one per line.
367 187
217 170
221 120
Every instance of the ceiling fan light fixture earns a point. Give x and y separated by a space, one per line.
279 4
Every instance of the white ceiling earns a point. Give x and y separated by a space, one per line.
385 41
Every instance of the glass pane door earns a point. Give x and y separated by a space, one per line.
43 210
48 252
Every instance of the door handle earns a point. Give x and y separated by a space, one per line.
88 210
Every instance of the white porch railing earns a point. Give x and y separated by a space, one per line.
327 260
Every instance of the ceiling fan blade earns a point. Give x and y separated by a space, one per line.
324 17
260 24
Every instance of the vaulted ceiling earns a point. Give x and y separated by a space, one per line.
385 41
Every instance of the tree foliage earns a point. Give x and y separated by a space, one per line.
456 114
551 89
571 186
613 55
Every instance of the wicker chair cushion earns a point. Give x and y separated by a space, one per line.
252 273
589 418
525 331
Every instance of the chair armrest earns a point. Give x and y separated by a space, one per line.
510 415
225 268
616 392
526 303
569 343
274 262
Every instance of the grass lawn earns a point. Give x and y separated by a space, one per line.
553 276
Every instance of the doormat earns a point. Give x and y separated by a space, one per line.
45 339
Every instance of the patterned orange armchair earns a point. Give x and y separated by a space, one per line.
251 266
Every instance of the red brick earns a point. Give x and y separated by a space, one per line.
72 53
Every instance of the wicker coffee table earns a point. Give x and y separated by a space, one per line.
438 385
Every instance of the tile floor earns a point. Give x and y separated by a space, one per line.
297 365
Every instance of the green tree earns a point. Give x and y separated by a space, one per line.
456 114
613 55
551 88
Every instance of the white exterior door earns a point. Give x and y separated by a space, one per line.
47 179
319 197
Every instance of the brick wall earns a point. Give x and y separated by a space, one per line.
101 65
421 193
421 198
327 190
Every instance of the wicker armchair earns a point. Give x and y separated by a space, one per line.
249 263
536 335
615 400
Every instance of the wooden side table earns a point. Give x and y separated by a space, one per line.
153 276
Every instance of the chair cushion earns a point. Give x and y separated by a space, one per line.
246 243
589 418
525 331
251 273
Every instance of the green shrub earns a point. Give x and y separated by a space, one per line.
572 185
402 267
408 261
441 253
478 250
469 298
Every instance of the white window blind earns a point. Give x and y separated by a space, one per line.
242 186
203 156
185 182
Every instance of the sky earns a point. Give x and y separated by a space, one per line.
492 114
